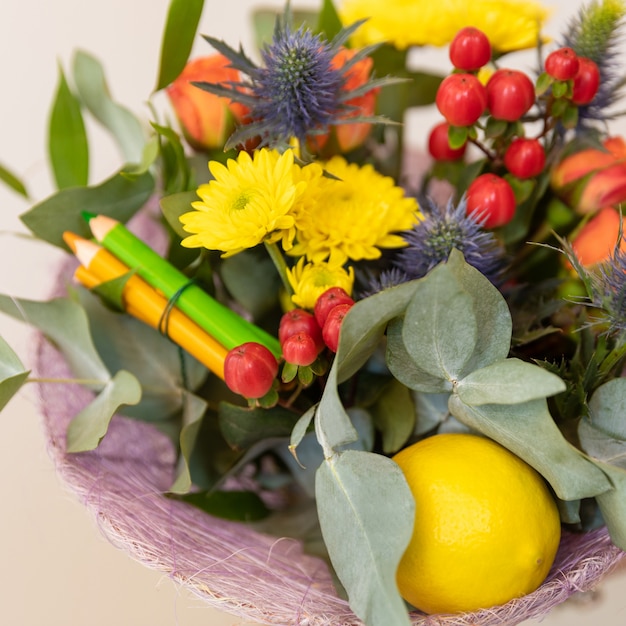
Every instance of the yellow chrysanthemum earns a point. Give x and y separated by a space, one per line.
509 24
351 216
249 201
311 280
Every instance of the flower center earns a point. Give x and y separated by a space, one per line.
241 201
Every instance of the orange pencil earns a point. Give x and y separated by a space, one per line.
144 303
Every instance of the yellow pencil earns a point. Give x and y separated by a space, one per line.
144 303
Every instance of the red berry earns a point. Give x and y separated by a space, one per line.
562 64
327 301
510 94
586 81
300 349
300 321
461 99
332 325
470 49
250 370
439 147
525 158
491 199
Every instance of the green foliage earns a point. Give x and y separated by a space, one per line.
13 181
118 197
12 373
239 506
67 138
180 30
94 94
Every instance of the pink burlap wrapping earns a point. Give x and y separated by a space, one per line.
232 567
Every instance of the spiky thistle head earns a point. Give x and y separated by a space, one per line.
433 238
297 91
596 32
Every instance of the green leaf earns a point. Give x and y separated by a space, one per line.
149 155
67 139
243 427
87 429
403 366
12 373
394 416
509 381
119 121
528 430
13 181
329 22
607 408
126 343
431 409
239 506
493 340
65 323
440 330
601 446
180 30
174 205
559 88
457 136
194 409
357 490
495 128
544 82
612 504
252 280
117 197
176 172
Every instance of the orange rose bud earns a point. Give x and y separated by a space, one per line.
596 240
592 178
349 136
207 120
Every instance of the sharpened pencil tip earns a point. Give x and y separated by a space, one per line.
70 239
87 216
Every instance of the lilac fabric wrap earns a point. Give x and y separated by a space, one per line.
230 565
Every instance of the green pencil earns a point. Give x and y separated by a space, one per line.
223 324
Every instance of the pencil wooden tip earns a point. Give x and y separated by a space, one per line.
71 239
101 225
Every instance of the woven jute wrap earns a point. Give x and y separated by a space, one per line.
231 566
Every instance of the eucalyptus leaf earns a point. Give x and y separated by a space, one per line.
356 491
92 88
509 381
124 342
180 30
303 467
402 365
67 139
13 181
394 416
431 410
301 428
601 446
12 373
118 197
65 323
440 329
493 339
607 408
528 430
612 504
87 429
194 409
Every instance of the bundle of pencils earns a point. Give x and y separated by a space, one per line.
161 296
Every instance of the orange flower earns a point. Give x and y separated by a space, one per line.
207 120
597 238
350 135
593 178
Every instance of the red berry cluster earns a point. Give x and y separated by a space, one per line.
251 369
499 109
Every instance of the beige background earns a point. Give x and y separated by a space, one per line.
56 569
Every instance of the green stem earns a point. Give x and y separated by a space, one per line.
279 263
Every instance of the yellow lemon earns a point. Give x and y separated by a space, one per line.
486 525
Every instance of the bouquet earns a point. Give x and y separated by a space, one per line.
412 365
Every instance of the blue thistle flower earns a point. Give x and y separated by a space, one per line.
296 91
385 280
432 239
